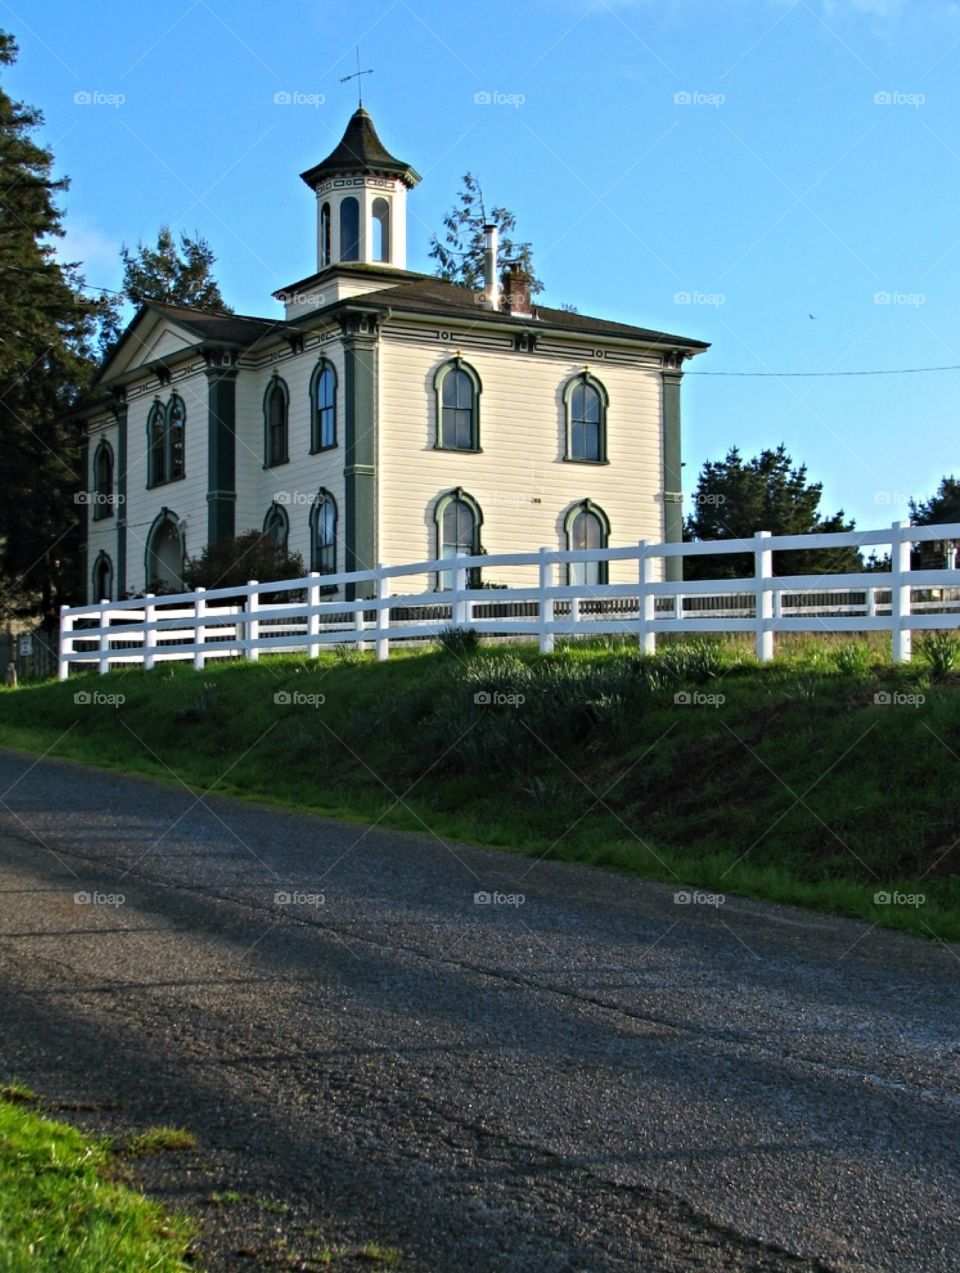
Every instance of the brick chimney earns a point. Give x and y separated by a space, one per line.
516 291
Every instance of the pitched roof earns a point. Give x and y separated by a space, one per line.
427 294
360 150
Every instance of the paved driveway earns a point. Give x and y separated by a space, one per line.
595 1078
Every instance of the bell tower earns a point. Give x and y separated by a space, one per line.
361 194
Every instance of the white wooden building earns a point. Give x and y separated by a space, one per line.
387 417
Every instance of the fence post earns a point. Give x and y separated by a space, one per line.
252 631
313 615
648 602
359 625
149 634
382 592
103 663
457 606
900 599
65 644
199 631
763 570
546 604
871 603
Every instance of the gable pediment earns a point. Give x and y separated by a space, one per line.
150 338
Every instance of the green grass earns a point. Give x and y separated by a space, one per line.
157 1140
63 1207
797 787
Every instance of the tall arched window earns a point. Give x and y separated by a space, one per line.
275 402
176 429
323 538
381 230
277 525
156 445
166 435
585 401
458 391
103 482
458 518
102 578
587 527
325 245
349 229
323 398
163 560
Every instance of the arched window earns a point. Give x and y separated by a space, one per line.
166 434
277 524
458 390
381 230
103 482
587 527
275 402
349 229
585 401
458 519
163 561
325 248
157 445
102 578
176 428
323 538
323 399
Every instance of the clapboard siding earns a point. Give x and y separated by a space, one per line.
522 439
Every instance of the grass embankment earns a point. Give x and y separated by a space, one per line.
793 781
63 1203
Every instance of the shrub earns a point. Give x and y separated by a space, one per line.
460 642
941 652
852 658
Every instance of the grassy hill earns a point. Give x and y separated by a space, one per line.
826 778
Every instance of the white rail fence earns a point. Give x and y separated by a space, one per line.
238 622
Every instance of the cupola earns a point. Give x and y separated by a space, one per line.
361 194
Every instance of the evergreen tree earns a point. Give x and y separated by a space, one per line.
459 256
173 275
942 507
48 333
736 498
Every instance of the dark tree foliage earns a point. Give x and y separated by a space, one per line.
173 275
459 255
232 562
48 342
942 507
735 498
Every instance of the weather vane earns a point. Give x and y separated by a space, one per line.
356 76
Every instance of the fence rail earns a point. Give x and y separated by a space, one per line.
237 622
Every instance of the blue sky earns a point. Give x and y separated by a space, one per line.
720 168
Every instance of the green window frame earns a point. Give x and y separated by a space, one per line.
458 520
457 389
276 423
166 441
586 522
585 403
103 481
323 407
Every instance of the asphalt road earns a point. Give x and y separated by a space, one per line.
595 1078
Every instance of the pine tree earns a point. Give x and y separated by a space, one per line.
48 334
942 507
459 256
736 498
173 275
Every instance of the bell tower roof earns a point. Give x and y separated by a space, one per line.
361 151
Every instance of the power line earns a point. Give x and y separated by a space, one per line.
820 375
82 287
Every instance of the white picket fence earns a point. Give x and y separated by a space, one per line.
235 622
